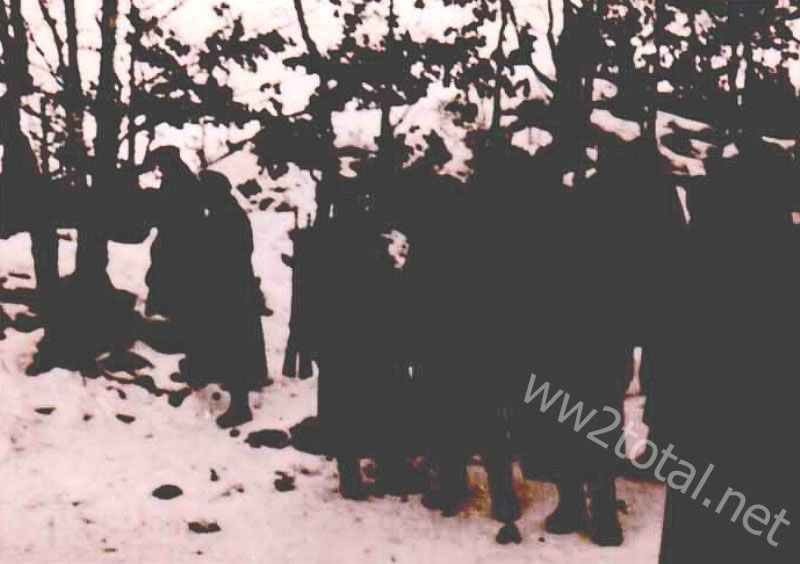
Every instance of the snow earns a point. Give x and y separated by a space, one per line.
77 483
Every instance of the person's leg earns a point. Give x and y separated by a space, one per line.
453 482
395 429
505 504
351 484
670 537
447 431
395 475
499 467
605 527
570 515
238 412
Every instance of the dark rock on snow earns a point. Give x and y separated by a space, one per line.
271 438
202 527
167 491
284 482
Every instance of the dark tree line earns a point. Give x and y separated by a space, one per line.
678 56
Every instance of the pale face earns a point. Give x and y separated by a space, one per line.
397 248
151 180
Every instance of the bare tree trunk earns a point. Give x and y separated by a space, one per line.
73 101
330 171
109 116
658 36
92 259
500 66
570 102
44 239
19 166
17 66
135 40
387 149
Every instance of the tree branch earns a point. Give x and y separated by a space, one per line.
551 19
59 42
56 73
499 59
74 100
172 9
232 149
313 51
550 83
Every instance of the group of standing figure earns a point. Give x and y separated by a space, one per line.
428 304
514 274
504 277
201 279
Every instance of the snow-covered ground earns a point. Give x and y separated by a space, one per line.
80 458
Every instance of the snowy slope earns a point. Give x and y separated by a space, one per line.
77 480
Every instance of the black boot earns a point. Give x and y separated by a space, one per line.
570 516
499 467
454 486
396 477
605 527
351 485
238 412
509 533
41 363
